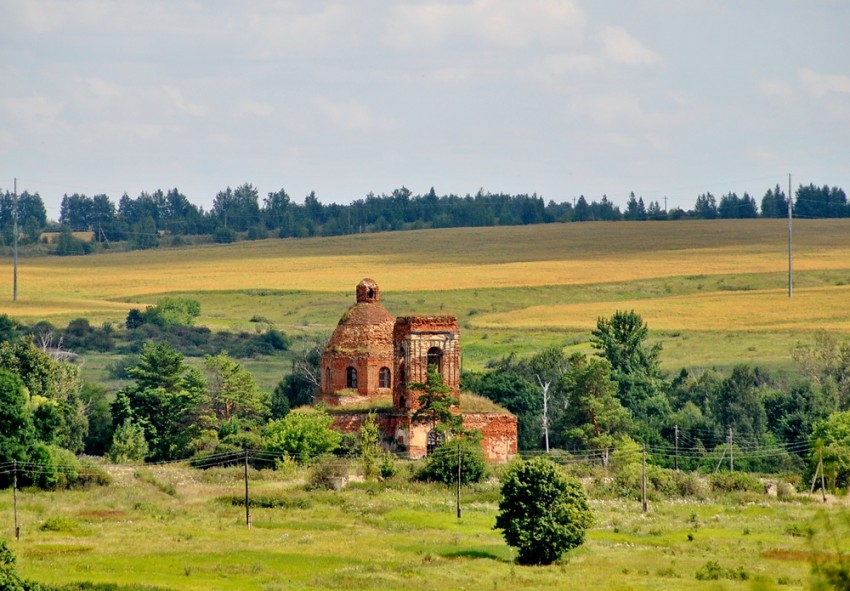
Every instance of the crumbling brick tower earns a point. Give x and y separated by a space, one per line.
419 342
358 359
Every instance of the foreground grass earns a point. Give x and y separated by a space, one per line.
168 528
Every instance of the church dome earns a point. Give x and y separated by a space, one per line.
367 327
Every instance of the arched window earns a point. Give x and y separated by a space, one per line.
328 384
435 440
384 377
351 378
435 358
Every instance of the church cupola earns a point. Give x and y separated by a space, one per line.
367 291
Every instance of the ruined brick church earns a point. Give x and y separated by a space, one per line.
372 360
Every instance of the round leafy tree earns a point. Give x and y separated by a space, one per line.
543 512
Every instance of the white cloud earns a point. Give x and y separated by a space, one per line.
609 109
121 131
35 109
276 30
621 47
351 116
104 89
253 108
821 85
774 87
176 97
503 23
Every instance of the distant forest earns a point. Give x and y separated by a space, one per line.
238 214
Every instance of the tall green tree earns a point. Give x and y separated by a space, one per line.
231 390
705 207
774 204
165 401
635 365
435 403
594 417
143 234
17 433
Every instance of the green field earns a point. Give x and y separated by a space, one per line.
715 293
168 527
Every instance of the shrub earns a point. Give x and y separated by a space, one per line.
329 473
712 571
289 501
543 512
441 466
128 444
735 482
303 434
59 524
224 235
9 579
388 467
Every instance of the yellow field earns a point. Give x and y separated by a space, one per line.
584 256
813 308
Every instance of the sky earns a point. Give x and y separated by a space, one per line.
668 99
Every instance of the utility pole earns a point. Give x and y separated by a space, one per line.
790 256
665 204
15 264
15 495
731 459
458 478
822 477
247 503
643 482
676 431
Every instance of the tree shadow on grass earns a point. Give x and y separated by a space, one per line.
471 553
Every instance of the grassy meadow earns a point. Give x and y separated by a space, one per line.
713 292
170 527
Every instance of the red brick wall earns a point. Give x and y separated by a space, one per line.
499 434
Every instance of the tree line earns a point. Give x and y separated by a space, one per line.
586 406
144 221
619 398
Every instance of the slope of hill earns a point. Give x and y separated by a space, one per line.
713 291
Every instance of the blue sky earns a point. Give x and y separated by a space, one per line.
558 97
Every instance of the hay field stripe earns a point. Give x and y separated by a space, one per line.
764 310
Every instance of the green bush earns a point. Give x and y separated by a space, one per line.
303 434
441 465
543 512
735 482
329 473
9 579
59 524
289 501
712 571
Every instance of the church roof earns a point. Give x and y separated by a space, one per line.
366 327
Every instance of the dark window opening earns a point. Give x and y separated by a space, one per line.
384 377
435 358
435 440
351 378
